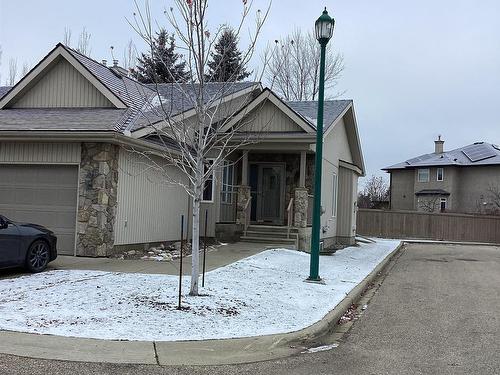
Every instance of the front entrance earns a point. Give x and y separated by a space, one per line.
267 184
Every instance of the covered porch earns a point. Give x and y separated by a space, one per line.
269 187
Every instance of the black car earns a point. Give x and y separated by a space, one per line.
27 245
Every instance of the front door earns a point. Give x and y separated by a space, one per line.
270 193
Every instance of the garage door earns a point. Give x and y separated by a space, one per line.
42 194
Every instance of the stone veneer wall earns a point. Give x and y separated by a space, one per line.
98 182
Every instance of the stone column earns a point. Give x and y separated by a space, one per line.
243 197
98 182
301 201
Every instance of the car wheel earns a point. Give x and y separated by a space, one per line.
37 257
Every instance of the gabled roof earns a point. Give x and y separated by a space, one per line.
179 99
309 110
268 95
476 154
75 59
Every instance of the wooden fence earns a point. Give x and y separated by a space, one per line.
435 226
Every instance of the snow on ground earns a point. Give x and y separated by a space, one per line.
259 295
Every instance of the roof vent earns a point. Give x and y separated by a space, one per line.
105 62
115 63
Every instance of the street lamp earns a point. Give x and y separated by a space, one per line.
324 31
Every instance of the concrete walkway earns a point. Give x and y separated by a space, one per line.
224 255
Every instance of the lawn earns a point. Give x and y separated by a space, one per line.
262 294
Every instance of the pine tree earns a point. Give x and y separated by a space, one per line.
163 65
225 64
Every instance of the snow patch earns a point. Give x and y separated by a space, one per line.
259 295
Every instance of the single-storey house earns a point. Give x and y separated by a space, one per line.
72 129
465 180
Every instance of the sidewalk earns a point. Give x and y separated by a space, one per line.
224 255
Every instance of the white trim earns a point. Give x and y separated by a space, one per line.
335 194
445 201
271 96
59 51
336 121
428 175
148 129
357 139
442 174
350 166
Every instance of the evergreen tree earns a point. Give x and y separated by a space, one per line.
163 65
225 64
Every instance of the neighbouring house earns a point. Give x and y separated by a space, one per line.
70 135
465 180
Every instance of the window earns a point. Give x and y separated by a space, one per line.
334 196
208 187
443 205
440 174
227 182
423 175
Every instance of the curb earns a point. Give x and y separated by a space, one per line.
206 352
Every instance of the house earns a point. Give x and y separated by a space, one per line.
465 180
73 133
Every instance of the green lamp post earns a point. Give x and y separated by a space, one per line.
324 32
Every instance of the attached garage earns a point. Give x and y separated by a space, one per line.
42 194
39 184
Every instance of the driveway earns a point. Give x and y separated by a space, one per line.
436 312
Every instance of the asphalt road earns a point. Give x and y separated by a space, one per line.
436 312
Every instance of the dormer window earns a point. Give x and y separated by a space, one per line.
423 175
440 174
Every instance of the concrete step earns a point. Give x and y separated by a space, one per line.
283 241
271 228
254 233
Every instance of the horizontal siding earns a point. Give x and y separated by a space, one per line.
149 208
267 117
39 153
62 87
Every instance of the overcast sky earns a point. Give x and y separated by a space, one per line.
414 69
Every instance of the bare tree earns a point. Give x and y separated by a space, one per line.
129 56
26 68
293 67
11 81
67 36
375 191
429 203
84 43
199 144
489 202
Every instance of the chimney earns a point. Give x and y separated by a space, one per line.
439 148
115 63
104 62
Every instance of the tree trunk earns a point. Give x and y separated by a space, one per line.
195 244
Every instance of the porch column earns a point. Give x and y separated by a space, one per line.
301 196
243 193
244 169
302 178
